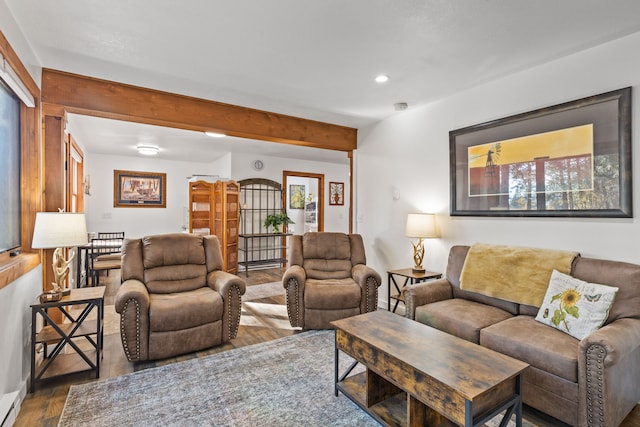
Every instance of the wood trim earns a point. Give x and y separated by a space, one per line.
70 147
103 98
320 178
11 268
350 155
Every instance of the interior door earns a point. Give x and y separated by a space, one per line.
304 200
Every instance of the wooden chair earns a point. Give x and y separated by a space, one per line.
105 254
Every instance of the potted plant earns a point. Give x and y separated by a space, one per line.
276 220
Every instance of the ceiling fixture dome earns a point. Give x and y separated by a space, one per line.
382 78
215 134
148 150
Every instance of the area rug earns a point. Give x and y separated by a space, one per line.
285 382
264 290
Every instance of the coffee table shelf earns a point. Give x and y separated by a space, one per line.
390 412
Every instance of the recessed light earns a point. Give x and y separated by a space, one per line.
382 78
148 150
215 134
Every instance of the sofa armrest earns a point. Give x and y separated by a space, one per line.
132 302
369 281
609 373
293 281
425 293
231 288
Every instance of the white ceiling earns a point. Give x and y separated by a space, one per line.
309 58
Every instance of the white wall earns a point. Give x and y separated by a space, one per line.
336 218
418 165
139 222
15 333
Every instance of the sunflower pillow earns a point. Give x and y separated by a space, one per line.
575 306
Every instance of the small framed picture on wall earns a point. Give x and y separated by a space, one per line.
336 193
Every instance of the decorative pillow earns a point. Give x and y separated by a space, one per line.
575 306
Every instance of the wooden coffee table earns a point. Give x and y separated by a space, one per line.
417 375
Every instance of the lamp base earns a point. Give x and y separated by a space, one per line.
418 270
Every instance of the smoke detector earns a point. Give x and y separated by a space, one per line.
399 106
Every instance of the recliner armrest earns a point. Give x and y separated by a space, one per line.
132 302
231 288
220 281
132 289
361 273
295 272
425 293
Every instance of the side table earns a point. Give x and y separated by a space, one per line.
410 277
55 363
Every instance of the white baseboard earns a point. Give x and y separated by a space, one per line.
9 408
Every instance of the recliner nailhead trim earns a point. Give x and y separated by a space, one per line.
125 342
233 327
294 321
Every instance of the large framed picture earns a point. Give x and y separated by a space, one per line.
139 189
568 160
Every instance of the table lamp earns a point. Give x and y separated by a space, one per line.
420 226
59 230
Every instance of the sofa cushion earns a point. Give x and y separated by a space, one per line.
331 294
539 345
460 317
574 306
183 310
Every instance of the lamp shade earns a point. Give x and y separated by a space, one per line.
59 230
421 225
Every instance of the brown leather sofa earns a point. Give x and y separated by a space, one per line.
592 382
175 298
327 279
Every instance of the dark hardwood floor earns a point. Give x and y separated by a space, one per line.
262 320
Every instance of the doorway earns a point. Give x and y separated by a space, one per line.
304 201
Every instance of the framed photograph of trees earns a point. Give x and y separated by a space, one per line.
568 160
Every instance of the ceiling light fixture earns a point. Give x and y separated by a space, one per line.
148 150
382 78
215 134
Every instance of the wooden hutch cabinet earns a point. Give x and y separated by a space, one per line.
215 210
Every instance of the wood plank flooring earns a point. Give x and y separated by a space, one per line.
264 320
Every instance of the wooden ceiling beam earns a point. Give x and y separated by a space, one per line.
103 98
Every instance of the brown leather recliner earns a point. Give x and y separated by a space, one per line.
175 298
327 279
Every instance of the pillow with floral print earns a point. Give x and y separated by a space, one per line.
574 306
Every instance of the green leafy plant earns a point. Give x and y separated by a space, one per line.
276 220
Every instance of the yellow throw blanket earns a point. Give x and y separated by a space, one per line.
516 274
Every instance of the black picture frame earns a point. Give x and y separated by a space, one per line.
547 169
